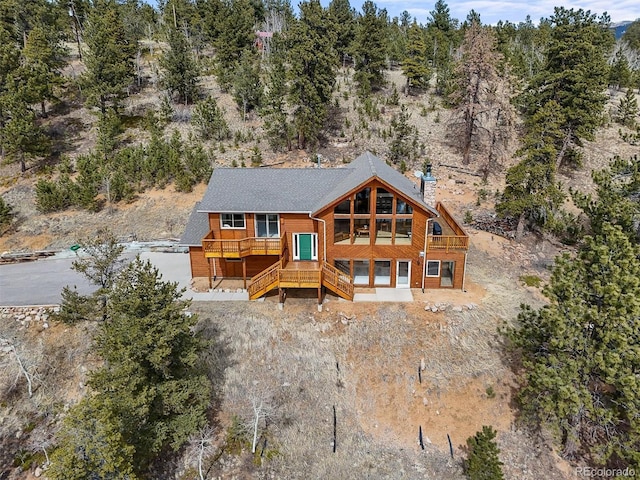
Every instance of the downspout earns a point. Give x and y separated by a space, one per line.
324 237
424 259
464 272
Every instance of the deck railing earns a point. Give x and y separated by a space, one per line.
276 276
447 242
243 247
264 281
337 280
300 278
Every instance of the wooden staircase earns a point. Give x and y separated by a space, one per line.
276 276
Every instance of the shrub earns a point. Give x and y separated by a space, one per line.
483 462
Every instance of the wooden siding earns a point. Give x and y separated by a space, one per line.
458 272
371 251
199 265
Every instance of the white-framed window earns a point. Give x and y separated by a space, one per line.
433 268
232 220
267 225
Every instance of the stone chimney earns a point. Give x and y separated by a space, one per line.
428 187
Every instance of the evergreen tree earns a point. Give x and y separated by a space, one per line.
6 214
236 35
620 73
109 58
21 137
40 72
616 199
180 72
414 66
274 112
311 74
91 446
209 121
483 462
401 146
342 20
151 379
442 40
151 393
580 353
575 76
627 111
532 194
370 48
247 87
632 35
482 115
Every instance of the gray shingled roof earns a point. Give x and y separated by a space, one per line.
197 227
302 190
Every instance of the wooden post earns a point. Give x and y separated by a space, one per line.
244 272
210 274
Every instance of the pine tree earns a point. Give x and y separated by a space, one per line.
209 121
274 112
414 65
91 446
616 198
236 35
483 462
575 76
620 73
632 35
247 86
180 72
342 22
532 194
21 138
109 58
151 378
40 72
580 353
482 114
628 109
311 73
370 48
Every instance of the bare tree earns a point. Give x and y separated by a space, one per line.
202 446
256 404
481 124
103 261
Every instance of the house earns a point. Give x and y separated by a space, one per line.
364 224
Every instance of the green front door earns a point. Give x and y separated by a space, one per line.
304 244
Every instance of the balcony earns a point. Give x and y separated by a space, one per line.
453 237
244 247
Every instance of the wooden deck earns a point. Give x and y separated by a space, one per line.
301 275
214 248
453 237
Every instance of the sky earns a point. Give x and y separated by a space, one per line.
493 10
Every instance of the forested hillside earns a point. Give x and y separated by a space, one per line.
101 101
116 113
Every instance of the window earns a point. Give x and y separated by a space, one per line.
343 207
382 272
232 220
341 231
384 202
403 208
343 265
433 268
267 225
361 272
403 231
383 231
362 201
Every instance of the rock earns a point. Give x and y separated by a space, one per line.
422 364
425 402
37 472
45 325
239 290
434 309
457 308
